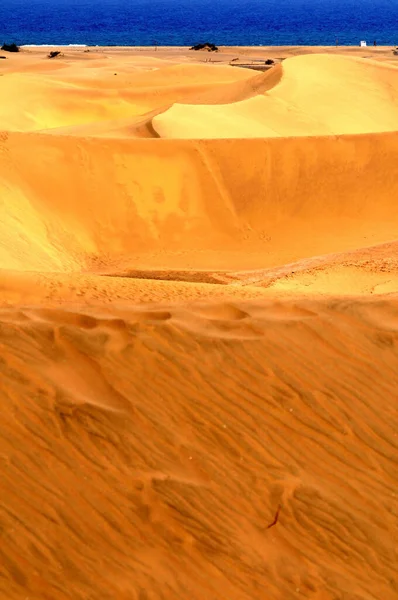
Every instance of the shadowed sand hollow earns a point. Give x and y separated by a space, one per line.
198 325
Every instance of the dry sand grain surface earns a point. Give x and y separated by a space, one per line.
199 324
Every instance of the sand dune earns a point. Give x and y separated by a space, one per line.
71 96
317 95
307 95
198 325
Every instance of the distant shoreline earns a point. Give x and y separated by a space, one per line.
222 48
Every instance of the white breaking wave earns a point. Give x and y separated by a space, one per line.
52 45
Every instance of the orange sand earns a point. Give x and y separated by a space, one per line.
199 325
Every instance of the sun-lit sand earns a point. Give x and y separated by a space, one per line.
199 324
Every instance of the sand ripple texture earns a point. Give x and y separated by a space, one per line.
211 450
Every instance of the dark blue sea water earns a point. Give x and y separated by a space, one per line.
186 22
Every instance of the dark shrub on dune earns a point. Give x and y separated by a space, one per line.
54 53
207 46
269 61
10 48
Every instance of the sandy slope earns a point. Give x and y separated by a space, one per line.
78 204
148 453
198 325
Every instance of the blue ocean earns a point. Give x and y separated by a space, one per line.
187 22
